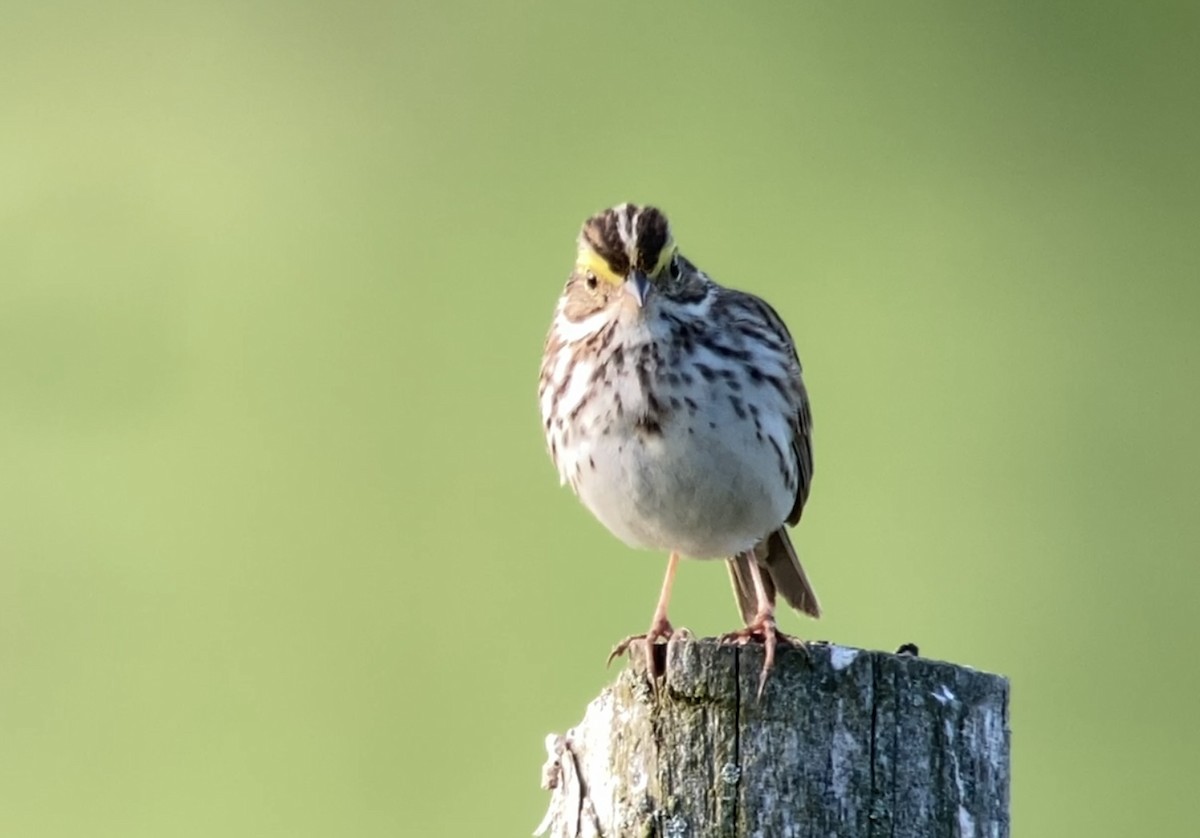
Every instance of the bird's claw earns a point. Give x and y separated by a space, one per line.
660 628
763 628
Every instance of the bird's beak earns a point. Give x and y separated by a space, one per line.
638 285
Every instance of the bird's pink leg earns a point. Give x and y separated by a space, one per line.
660 626
762 626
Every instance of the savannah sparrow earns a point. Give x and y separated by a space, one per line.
676 410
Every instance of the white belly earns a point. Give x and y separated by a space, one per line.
708 493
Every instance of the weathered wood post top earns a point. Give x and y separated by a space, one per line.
844 742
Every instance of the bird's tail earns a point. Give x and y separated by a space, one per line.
784 574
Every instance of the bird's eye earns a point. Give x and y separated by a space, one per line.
590 279
673 268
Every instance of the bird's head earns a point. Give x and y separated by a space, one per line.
627 252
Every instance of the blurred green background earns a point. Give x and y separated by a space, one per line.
282 552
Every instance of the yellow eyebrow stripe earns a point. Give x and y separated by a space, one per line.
664 256
590 260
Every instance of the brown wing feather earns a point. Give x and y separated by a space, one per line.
801 419
802 447
775 553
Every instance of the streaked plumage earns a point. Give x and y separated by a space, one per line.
676 410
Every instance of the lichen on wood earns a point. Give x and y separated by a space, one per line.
844 742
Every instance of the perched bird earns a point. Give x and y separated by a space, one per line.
675 409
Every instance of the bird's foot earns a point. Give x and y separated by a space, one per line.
659 628
763 628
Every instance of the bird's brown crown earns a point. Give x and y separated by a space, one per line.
626 238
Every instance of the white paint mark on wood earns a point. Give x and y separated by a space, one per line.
966 823
943 695
840 657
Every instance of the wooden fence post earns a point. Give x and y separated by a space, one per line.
844 742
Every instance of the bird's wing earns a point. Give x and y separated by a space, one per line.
801 416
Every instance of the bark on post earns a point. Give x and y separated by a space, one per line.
844 742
